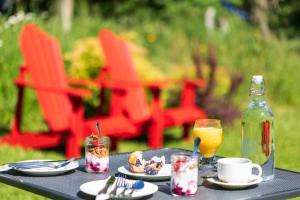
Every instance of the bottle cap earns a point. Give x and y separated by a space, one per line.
257 78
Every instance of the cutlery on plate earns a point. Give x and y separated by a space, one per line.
102 193
65 163
35 164
136 185
121 179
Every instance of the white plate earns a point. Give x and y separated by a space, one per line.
163 174
47 171
253 181
4 168
93 187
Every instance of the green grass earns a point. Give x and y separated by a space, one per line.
241 50
9 154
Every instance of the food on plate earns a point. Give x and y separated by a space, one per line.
136 162
155 164
139 165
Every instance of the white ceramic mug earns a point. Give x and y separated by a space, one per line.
236 170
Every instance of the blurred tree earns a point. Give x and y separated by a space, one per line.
259 14
216 107
281 15
66 13
11 7
285 16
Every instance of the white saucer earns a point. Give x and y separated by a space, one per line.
46 171
163 174
253 181
93 187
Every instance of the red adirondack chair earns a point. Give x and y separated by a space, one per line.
119 67
61 105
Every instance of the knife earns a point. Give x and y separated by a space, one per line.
110 181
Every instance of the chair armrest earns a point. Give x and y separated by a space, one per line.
118 87
74 92
113 85
188 94
83 82
197 83
93 82
78 92
166 83
159 84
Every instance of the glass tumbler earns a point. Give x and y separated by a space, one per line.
97 154
184 174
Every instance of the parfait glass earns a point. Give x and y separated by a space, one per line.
211 134
184 174
97 154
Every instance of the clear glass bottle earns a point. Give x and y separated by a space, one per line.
257 134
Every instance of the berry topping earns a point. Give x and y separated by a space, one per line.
178 164
150 170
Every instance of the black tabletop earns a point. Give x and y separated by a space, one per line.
285 185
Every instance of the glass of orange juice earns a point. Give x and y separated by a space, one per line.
211 134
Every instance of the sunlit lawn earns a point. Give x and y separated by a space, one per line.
287 148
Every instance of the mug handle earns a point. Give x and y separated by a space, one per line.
258 168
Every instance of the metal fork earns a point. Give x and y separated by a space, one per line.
35 164
121 179
126 187
130 193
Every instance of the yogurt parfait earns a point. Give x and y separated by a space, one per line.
184 175
97 154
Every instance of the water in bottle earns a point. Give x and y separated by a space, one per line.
257 134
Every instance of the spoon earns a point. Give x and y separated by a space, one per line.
137 185
98 128
197 142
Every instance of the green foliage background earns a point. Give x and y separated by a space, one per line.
167 29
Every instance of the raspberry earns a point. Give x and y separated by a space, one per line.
177 190
94 167
178 164
188 193
105 170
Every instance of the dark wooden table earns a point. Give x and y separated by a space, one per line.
285 185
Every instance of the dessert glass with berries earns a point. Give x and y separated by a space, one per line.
97 154
184 174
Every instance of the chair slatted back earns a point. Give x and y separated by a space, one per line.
43 60
121 69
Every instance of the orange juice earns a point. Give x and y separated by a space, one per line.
211 139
